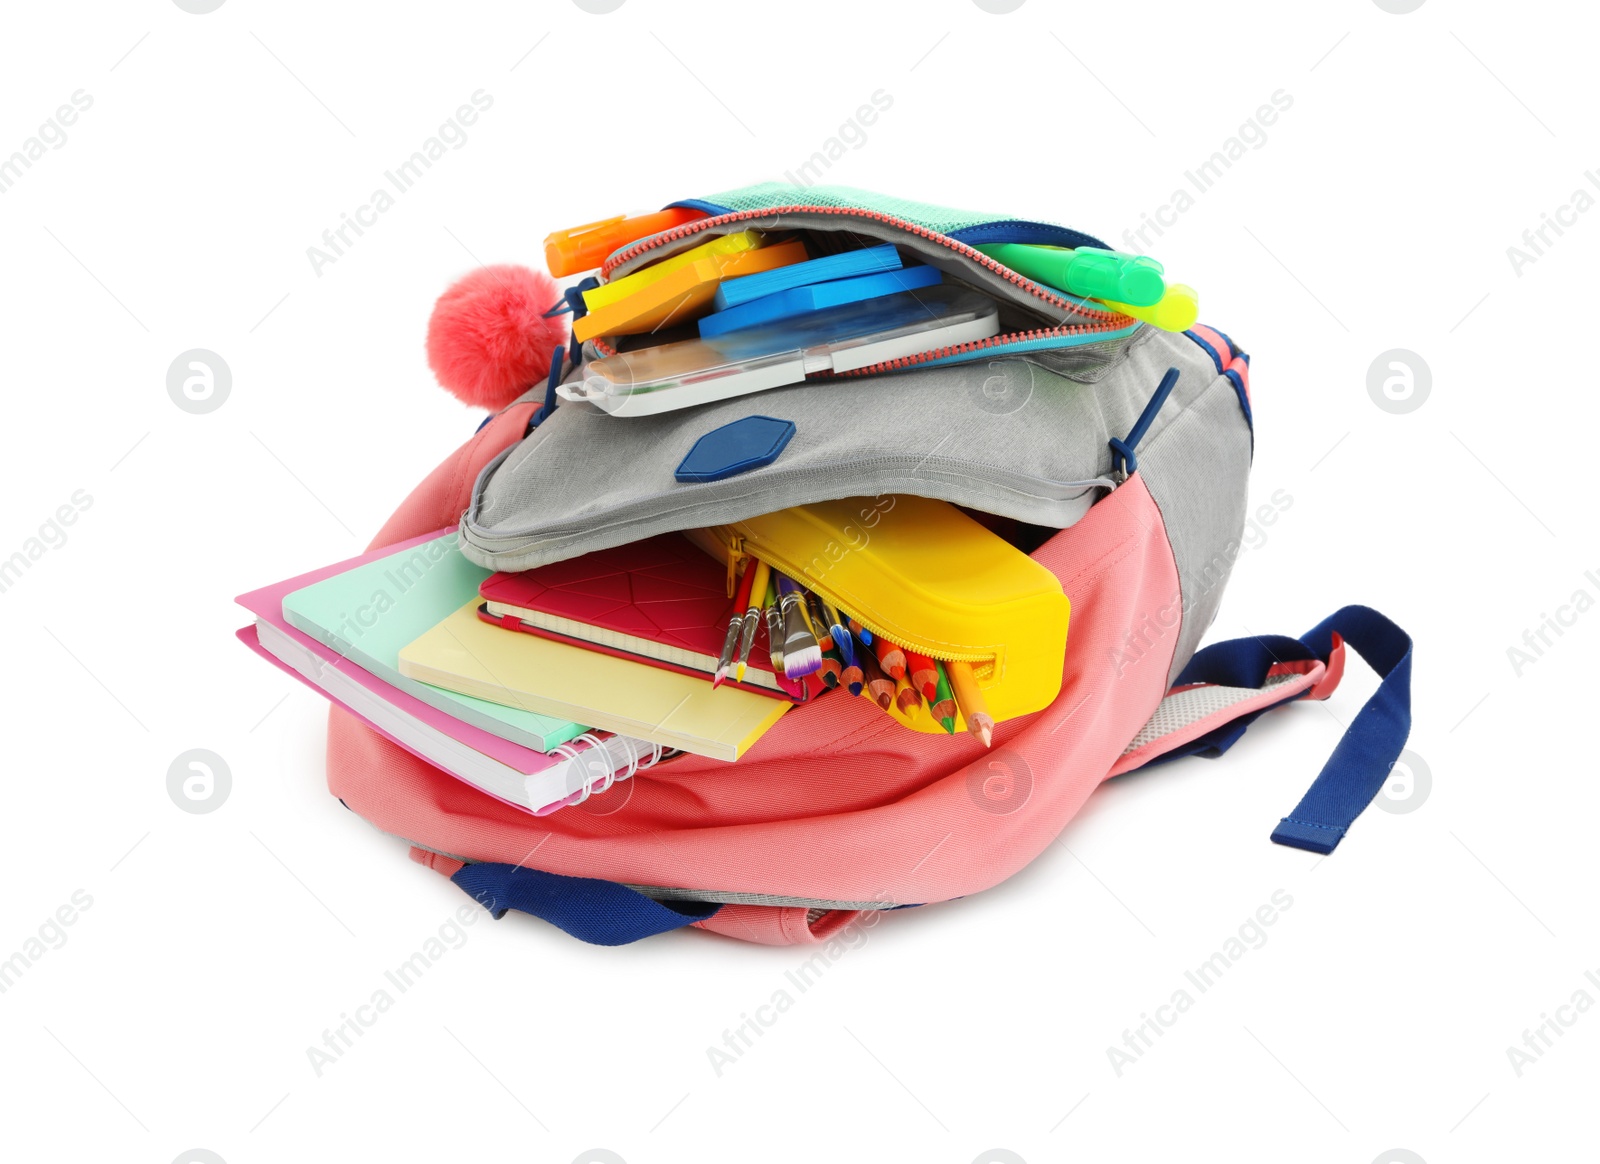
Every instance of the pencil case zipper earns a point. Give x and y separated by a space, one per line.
737 553
1100 323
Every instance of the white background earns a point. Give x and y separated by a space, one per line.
178 1010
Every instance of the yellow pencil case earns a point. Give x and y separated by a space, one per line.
923 575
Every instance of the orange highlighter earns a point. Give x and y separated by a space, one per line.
582 248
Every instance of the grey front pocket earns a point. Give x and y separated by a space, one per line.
1022 437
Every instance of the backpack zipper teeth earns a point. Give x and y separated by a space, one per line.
1015 337
997 267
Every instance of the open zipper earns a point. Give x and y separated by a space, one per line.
738 554
1099 321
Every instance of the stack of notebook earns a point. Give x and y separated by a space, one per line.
611 681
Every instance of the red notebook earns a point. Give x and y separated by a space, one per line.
662 601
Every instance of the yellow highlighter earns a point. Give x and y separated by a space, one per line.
680 296
728 244
1177 310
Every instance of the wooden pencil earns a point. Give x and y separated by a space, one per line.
970 700
905 696
944 705
924 674
880 688
890 657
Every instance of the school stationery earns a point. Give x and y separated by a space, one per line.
844 265
969 700
905 695
473 657
840 635
924 674
785 305
535 782
879 687
1177 311
345 679
776 636
752 614
366 609
578 248
801 654
728 244
1087 271
890 657
832 666
660 601
943 707
676 298
837 339
919 572
730 642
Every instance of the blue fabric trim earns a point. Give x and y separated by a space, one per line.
1016 230
701 205
1244 401
601 912
1220 361
1371 744
558 358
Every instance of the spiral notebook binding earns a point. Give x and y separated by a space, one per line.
599 775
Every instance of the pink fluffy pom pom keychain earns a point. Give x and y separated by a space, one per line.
489 339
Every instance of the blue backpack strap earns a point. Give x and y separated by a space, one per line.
601 912
1371 744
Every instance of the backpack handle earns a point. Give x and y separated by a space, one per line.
1361 761
601 912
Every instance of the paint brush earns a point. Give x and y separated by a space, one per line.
801 654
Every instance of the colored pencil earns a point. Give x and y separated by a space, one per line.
880 688
862 632
758 574
890 657
944 705
801 653
832 665
905 696
735 625
970 699
924 674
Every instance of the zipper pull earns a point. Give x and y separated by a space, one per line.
736 557
1123 462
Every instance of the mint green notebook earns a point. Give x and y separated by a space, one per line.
367 614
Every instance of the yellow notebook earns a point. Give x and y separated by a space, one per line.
466 655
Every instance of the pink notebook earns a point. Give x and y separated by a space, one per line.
529 779
267 605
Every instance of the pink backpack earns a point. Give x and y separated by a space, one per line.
837 810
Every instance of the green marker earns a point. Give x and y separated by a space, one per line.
1088 271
